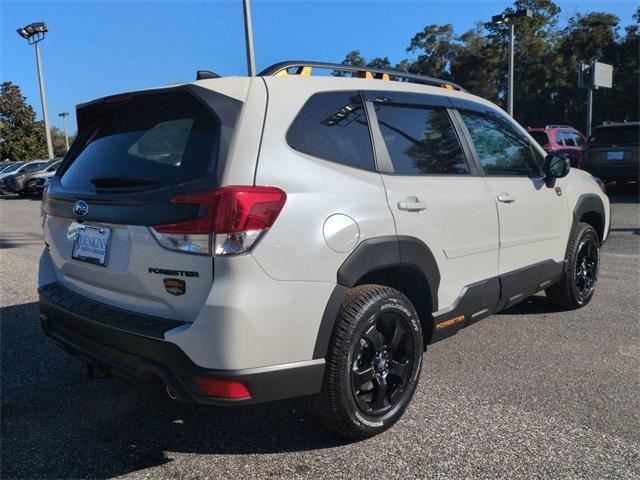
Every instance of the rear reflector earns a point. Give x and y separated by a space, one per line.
230 221
215 387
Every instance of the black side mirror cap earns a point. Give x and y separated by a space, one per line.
556 166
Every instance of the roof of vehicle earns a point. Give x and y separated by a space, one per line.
617 124
236 87
552 127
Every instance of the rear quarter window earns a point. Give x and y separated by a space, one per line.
333 126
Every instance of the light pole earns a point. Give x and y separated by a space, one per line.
248 33
64 116
507 18
34 34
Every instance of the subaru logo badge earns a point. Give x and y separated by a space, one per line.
80 208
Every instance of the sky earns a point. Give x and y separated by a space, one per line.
98 48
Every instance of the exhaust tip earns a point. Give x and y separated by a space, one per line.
171 395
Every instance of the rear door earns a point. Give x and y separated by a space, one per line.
133 155
433 190
532 216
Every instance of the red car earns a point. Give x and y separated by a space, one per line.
560 139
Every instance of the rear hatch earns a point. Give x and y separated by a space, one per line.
613 145
134 155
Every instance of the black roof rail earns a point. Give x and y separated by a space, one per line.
380 73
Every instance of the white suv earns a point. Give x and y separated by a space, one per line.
253 239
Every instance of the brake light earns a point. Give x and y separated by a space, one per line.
215 387
230 221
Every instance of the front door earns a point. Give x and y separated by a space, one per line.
532 216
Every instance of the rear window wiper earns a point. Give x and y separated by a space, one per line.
122 181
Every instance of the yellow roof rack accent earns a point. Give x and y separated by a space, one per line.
305 68
301 71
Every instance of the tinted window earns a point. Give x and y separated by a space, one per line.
502 150
540 137
168 138
569 141
333 126
577 138
33 167
626 135
421 140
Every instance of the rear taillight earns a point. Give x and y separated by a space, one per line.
231 220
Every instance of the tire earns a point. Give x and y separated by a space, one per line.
30 189
578 283
373 363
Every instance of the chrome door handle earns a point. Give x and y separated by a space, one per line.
506 198
412 204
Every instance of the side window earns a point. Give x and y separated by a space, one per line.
421 140
502 150
577 138
32 167
569 140
559 138
333 126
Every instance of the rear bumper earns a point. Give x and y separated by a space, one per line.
132 345
614 172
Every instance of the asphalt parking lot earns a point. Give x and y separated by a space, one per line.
531 392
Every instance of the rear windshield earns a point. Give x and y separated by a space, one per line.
627 135
540 137
152 140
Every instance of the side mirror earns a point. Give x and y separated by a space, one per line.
556 166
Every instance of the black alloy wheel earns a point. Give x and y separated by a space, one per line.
587 267
382 363
578 283
372 364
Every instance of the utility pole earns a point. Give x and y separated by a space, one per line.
512 40
64 116
248 33
508 18
34 34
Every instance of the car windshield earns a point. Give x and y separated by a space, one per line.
623 135
12 168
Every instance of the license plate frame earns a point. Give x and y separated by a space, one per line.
85 250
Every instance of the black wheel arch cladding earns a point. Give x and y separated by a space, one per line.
370 256
590 204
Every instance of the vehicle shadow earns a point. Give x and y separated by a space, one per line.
19 239
20 197
58 423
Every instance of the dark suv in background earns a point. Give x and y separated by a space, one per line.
612 151
562 139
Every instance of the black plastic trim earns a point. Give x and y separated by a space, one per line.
125 351
391 251
589 202
328 320
483 298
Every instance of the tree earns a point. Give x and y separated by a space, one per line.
21 136
546 66
57 138
436 50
